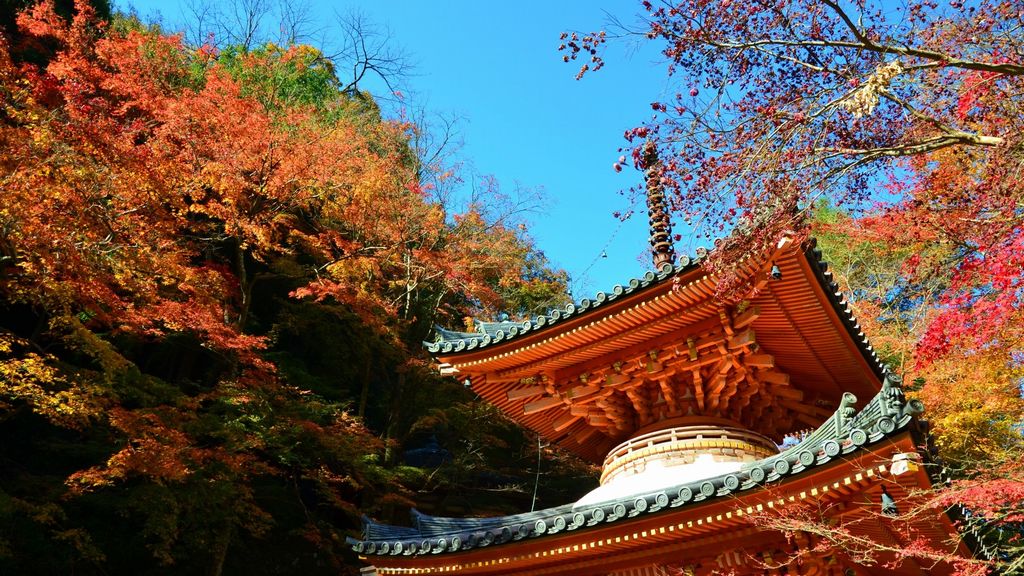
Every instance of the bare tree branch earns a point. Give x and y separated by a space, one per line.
368 50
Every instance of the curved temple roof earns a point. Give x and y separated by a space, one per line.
662 347
493 333
844 433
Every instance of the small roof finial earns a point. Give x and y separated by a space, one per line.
657 209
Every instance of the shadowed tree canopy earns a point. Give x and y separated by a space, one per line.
216 269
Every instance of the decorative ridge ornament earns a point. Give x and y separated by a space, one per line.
657 209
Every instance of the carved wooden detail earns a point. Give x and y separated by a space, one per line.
720 372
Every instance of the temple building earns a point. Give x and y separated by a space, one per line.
708 418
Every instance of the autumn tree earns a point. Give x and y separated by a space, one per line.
892 130
971 391
780 103
175 219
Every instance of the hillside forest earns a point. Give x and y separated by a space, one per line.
217 268
219 261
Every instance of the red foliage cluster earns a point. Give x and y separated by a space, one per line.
797 101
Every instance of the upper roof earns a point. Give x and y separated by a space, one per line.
794 336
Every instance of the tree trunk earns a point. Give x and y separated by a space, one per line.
244 288
394 416
220 549
364 395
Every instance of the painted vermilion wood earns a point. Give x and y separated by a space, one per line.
789 336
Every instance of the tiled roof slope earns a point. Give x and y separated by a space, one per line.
844 433
492 333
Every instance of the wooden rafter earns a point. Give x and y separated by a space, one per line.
718 372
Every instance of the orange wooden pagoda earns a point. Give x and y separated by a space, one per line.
688 402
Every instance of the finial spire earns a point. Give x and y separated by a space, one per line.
657 209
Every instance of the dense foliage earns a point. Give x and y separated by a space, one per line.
217 264
216 268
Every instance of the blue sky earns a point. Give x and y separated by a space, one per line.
526 120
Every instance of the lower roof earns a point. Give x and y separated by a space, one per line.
846 432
